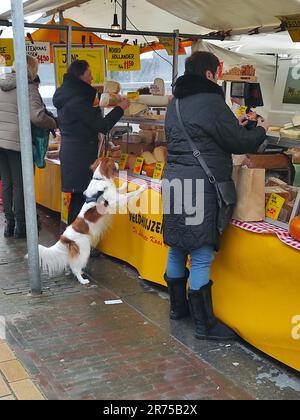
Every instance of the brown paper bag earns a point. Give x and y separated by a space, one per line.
250 186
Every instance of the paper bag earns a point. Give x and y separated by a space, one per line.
250 186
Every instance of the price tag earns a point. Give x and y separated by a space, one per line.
241 111
133 96
159 169
123 161
138 166
274 206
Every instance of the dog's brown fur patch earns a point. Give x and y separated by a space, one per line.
107 167
92 215
80 226
74 249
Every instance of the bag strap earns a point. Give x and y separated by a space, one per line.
196 152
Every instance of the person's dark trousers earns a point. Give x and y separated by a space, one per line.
12 186
77 201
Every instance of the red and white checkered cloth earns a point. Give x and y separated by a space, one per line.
263 228
267 229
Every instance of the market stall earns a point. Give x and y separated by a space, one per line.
255 273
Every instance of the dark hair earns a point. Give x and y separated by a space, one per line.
200 62
78 68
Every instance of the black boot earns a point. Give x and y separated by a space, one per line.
20 230
208 327
9 228
179 307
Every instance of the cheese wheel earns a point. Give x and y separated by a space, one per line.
147 136
149 169
293 134
135 109
149 158
160 154
111 86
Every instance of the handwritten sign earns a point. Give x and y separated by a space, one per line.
125 58
138 166
168 43
39 50
292 23
94 56
6 52
123 161
274 206
159 169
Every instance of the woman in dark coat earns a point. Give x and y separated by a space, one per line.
217 134
80 123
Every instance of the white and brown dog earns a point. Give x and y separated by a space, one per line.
103 200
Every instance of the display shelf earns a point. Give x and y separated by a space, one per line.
141 120
276 140
233 78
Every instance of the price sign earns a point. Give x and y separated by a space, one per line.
138 166
39 50
274 206
159 169
123 161
126 58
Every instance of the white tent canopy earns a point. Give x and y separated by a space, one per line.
99 14
230 14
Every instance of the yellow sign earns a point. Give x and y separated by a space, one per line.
94 56
138 166
6 52
274 206
168 43
123 161
292 23
159 169
241 111
65 207
125 58
133 96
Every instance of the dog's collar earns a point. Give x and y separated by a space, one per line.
95 198
96 178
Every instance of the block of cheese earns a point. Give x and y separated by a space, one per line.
135 109
161 91
149 158
111 86
276 182
293 134
296 121
110 100
147 136
160 154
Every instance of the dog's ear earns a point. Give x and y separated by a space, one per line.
96 164
108 167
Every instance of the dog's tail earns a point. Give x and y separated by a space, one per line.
55 260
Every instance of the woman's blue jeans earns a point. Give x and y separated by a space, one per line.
201 260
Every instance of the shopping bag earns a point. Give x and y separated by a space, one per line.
40 143
250 187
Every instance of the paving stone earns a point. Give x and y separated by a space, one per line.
4 389
13 371
26 390
8 398
5 353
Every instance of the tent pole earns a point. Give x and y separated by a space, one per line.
62 32
69 45
26 146
124 15
175 58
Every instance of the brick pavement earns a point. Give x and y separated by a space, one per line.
74 346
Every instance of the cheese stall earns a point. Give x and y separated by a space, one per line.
256 272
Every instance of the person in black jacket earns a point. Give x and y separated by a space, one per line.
218 134
80 123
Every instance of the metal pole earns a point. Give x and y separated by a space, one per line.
69 46
175 58
26 145
124 15
62 32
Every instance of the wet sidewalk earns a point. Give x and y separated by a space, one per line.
76 346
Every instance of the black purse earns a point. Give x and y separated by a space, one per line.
226 192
